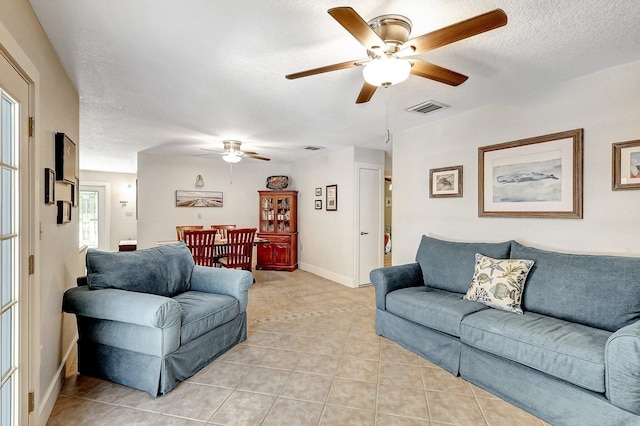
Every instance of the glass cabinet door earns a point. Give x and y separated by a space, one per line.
267 215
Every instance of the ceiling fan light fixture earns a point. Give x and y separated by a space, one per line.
231 157
386 72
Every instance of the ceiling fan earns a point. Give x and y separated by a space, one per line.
232 152
391 53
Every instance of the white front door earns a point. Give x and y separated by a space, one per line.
14 244
369 221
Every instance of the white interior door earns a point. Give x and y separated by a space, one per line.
14 244
369 221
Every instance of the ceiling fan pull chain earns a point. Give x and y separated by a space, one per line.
387 134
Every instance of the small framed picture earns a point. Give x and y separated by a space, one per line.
318 204
64 212
626 165
318 192
332 198
445 182
49 186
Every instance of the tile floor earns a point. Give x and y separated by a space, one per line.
312 358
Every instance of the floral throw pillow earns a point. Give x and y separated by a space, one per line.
499 283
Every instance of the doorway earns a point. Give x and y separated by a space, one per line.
369 220
93 222
16 210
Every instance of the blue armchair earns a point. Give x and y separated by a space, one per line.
152 318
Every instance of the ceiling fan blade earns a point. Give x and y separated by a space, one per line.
257 157
357 27
248 153
334 67
437 73
459 31
366 93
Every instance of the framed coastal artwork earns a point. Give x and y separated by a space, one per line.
626 165
445 182
535 177
199 198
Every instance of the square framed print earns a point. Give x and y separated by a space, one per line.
536 177
445 182
318 204
318 192
332 197
626 165
49 186
64 212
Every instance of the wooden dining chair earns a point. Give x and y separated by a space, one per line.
201 243
239 249
181 228
223 230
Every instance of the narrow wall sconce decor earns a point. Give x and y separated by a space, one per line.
199 181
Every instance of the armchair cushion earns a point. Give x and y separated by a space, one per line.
202 312
164 270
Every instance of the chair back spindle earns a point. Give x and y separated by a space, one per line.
201 243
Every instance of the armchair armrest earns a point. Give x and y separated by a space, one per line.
231 282
125 306
622 368
393 278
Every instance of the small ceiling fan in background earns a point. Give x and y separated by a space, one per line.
232 152
391 53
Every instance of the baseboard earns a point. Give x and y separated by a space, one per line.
340 279
48 400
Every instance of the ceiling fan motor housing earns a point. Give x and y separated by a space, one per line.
393 29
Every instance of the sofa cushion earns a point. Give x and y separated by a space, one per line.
449 265
598 291
499 282
202 312
164 270
568 351
433 308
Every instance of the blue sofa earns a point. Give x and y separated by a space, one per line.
152 318
572 358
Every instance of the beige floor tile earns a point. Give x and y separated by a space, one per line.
265 380
358 369
346 416
292 412
318 364
401 401
500 413
263 338
220 373
193 401
481 393
129 416
280 358
396 353
441 380
308 387
362 349
454 408
389 420
73 411
405 375
244 354
353 394
243 408
327 346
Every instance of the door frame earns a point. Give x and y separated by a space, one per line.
356 229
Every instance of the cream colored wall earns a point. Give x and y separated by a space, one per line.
159 177
605 104
56 109
122 218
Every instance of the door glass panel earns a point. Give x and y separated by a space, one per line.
7 197
89 216
7 142
7 401
6 257
7 323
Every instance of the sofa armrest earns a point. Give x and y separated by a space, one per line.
393 278
622 368
231 282
125 306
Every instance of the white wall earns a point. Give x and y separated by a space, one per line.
605 104
55 247
159 177
122 218
326 244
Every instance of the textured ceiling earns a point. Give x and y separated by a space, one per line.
173 77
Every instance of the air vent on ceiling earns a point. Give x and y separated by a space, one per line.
313 148
428 107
